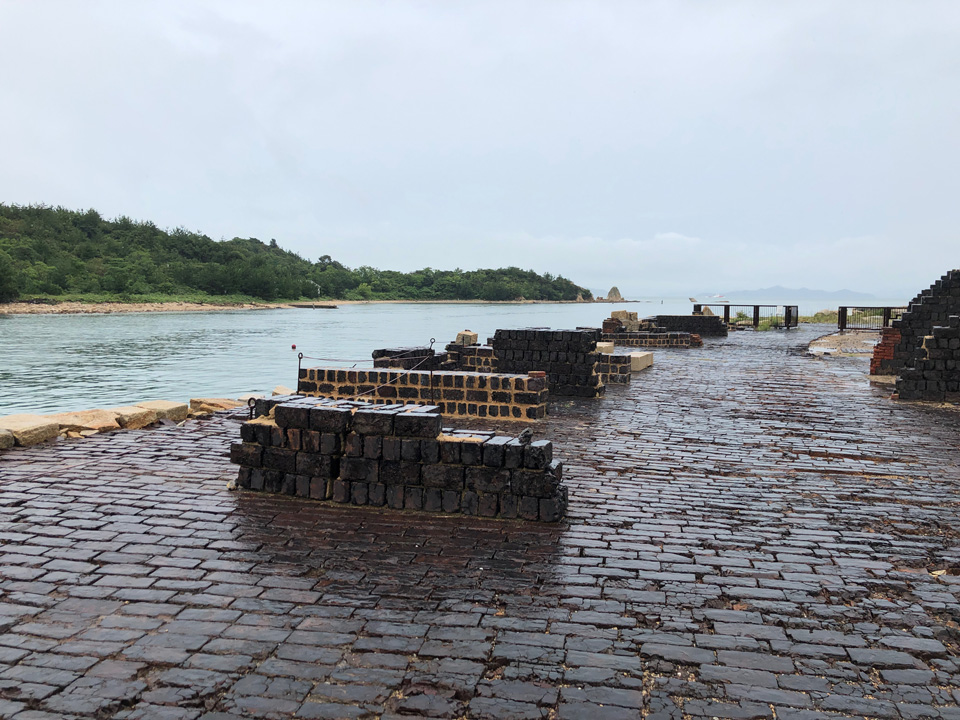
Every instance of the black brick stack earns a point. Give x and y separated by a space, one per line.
931 308
568 357
935 374
398 457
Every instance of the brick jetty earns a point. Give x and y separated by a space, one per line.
752 533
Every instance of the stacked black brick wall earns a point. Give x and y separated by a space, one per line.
935 371
471 394
614 369
399 457
702 325
568 357
472 358
931 308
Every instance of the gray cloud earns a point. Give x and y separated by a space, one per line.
662 147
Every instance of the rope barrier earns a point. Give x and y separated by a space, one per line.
412 352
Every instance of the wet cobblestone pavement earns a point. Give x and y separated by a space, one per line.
753 533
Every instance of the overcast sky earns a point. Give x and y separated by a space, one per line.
665 147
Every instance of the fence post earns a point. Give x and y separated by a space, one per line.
697 309
756 316
787 316
886 317
842 318
726 314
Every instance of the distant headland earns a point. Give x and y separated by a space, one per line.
57 255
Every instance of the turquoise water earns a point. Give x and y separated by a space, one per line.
53 363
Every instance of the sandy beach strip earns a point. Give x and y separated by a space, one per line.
71 307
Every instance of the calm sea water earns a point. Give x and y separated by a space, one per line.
53 363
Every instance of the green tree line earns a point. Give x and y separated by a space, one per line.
55 252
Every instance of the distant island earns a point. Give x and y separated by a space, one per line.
55 254
778 292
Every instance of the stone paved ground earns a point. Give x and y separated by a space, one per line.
753 534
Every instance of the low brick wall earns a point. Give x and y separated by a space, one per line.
398 457
568 357
702 325
482 395
655 339
615 369
882 361
935 372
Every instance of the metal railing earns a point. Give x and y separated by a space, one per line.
755 316
867 318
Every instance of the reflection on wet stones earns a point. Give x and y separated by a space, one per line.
797 560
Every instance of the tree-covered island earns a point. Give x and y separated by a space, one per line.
58 254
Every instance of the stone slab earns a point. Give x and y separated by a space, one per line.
467 338
167 409
97 420
640 361
207 406
28 429
7 440
134 417
605 347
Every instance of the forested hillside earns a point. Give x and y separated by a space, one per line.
56 252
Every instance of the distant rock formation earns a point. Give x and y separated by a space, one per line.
614 295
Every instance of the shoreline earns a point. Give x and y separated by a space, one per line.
106 308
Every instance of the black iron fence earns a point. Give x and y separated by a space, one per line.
867 318
759 317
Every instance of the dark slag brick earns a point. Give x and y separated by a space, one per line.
419 425
280 459
246 454
331 443
448 477
330 419
488 480
373 422
292 415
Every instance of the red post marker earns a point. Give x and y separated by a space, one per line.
293 347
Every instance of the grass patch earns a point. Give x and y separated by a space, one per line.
823 316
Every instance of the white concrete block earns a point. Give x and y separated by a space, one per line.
640 361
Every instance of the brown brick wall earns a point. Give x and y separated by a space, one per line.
470 394
655 339
882 361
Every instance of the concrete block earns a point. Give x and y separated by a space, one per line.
605 348
6 440
467 338
30 429
640 361
167 410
